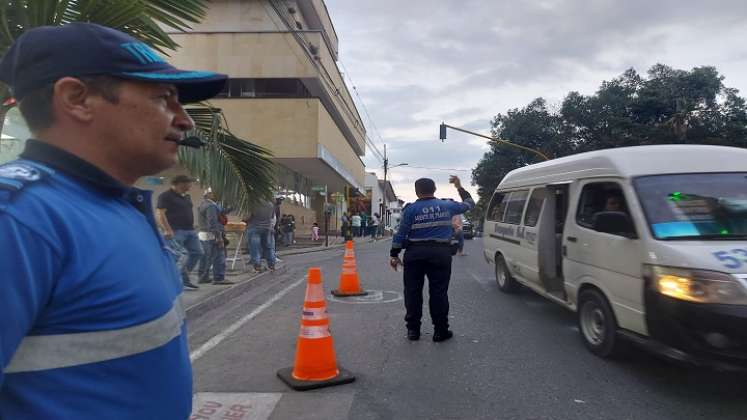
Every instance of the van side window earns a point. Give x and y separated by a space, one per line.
534 207
515 206
602 207
496 208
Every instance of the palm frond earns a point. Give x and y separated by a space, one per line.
241 174
139 18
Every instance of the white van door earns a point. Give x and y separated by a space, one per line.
528 234
609 260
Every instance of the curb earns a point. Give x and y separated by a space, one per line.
213 301
308 250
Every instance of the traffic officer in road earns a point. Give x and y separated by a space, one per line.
91 322
426 231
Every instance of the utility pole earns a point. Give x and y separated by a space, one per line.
384 204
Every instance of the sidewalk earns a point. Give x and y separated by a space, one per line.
209 296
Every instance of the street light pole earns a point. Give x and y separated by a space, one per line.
442 136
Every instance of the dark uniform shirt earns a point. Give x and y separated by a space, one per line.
428 220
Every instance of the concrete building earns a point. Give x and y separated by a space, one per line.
285 93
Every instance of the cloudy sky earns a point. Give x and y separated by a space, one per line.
416 63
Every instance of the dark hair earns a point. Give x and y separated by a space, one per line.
425 186
181 179
36 107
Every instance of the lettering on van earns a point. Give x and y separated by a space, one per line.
505 230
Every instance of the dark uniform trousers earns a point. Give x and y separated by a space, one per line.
433 261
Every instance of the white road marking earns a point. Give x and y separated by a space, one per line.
485 284
246 406
210 344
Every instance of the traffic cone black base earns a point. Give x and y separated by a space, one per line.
344 294
286 375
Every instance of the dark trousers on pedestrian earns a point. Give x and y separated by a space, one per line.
432 261
215 258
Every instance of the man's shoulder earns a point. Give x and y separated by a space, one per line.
166 194
23 183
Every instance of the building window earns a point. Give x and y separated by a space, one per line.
264 88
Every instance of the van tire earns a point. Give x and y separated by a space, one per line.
597 324
503 278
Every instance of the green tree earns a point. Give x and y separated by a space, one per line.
240 173
667 106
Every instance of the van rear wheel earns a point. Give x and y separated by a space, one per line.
597 324
506 283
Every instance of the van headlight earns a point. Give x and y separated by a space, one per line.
699 286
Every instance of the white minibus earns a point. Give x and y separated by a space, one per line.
646 244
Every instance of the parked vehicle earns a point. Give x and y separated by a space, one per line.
467 228
647 244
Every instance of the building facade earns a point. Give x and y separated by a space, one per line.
285 93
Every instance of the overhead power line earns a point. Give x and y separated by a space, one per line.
439 169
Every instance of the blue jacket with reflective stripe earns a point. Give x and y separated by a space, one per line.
84 265
429 220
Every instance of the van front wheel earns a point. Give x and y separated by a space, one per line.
506 283
597 324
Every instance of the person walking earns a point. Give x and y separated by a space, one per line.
260 236
458 225
212 238
346 227
356 223
425 231
315 232
91 322
176 219
374 229
289 227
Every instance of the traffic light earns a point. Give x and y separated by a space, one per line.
442 133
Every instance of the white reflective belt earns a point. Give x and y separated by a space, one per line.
43 352
431 224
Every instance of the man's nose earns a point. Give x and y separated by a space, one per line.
182 120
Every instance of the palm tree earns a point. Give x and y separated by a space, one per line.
240 172
226 157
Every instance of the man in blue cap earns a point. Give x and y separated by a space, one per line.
91 323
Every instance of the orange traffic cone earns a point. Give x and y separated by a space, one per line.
315 365
349 281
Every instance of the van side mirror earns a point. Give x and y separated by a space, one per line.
614 222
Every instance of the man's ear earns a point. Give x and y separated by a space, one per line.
73 99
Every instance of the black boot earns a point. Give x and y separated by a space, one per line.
439 336
413 335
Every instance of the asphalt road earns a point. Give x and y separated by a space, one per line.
513 356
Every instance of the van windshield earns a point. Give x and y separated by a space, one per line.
695 206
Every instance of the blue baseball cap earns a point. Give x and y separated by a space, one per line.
46 54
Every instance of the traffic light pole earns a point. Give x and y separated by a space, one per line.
442 136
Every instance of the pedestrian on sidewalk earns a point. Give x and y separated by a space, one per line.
315 232
91 323
175 217
259 233
289 227
425 231
346 228
211 234
356 222
374 230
